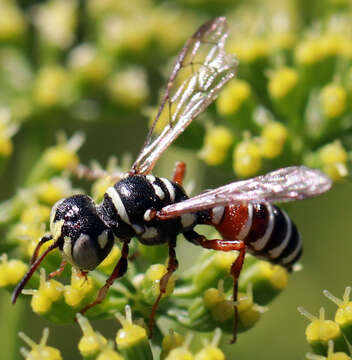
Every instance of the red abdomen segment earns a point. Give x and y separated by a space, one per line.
266 230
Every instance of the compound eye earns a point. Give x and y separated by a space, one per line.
85 254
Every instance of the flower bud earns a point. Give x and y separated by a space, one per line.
129 88
343 315
108 353
11 271
118 34
309 52
60 157
39 351
211 351
180 353
273 138
250 50
48 292
282 82
92 342
56 22
333 158
333 99
213 267
320 331
56 159
234 98
88 64
150 286
132 340
170 342
217 141
266 279
52 87
35 214
79 289
54 190
247 159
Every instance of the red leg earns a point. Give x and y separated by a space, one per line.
235 271
179 172
171 268
236 267
59 270
219 244
119 270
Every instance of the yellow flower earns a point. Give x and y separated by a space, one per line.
282 82
11 271
92 342
233 96
334 100
250 49
39 351
129 87
217 141
247 159
56 21
52 86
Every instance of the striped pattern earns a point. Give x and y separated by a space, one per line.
131 204
118 204
266 230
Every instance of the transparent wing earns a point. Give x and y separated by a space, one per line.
286 184
200 71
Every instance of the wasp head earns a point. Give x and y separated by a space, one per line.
85 239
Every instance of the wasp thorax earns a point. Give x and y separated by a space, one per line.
86 239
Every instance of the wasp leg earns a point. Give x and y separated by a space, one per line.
171 268
59 270
31 270
235 271
179 172
119 270
236 267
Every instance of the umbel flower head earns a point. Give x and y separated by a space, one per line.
330 339
95 66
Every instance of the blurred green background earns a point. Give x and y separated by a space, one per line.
99 66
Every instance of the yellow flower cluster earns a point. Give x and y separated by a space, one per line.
39 351
11 271
79 289
49 291
329 338
176 346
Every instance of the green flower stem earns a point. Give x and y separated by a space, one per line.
11 323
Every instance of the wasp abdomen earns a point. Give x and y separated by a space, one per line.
266 230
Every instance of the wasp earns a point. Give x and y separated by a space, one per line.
156 210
